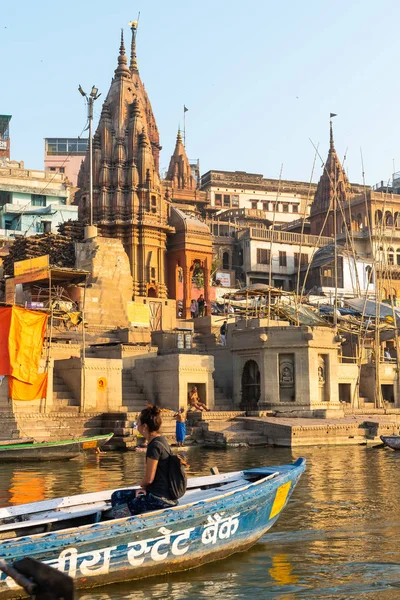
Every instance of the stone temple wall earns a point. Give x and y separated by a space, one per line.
110 287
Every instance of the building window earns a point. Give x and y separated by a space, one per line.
390 256
53 169
218 199
282 259
263 256
266 206
285 208
62 169
303 259
235 200
56 146
153 272
295 208
370 273
38 200
254 205
153 204
227 200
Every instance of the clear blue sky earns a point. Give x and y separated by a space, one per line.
259 78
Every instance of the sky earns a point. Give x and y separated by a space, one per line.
259 79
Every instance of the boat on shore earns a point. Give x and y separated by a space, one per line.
219 515
64 449
391 441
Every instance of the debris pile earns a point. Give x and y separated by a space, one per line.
60 248
72 229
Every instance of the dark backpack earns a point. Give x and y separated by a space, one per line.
176 474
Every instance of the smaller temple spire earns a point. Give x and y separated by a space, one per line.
133 66
122 60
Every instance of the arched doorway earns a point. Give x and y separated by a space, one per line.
251 390
225 261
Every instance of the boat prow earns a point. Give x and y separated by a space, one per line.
391 441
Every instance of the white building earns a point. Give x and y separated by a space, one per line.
288 251
280 201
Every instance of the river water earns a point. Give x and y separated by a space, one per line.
338 538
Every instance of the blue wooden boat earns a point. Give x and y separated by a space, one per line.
218 516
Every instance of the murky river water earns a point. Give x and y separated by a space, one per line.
339 537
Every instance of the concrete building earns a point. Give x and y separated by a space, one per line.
5 137
65 155
351 274
280 201
288 252
33 201
364 219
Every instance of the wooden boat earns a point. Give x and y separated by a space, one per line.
64 449
16 441
218 516
392 441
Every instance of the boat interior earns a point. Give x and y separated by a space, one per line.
85 509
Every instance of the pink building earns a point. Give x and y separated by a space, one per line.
64 155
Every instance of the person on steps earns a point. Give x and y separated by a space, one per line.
194 401
180 431
154 492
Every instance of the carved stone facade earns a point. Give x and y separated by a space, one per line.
128 202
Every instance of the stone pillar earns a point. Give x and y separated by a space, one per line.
186 292
206 272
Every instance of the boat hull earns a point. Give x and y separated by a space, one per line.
160 542
392 441
64 450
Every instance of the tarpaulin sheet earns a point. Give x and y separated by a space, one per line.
21 340
19 390
303 314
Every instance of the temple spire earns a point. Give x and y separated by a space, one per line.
133 66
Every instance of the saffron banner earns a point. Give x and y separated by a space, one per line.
25 343
19 390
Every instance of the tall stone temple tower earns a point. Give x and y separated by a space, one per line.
332 190
128 201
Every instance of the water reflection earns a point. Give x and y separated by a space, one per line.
339 536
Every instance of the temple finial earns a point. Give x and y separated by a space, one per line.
133 66
179 136
122 60
331 144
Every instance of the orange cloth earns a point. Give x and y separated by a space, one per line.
5 322
19 390
25 343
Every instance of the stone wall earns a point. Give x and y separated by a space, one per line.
297 368
110 287
166 380
97 385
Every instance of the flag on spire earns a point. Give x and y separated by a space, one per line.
185 109
332 115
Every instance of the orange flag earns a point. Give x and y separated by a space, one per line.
25 341
19 390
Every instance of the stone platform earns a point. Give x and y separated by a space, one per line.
232 429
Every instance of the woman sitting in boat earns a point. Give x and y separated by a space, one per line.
154 492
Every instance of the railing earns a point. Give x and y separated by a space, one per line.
285 236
